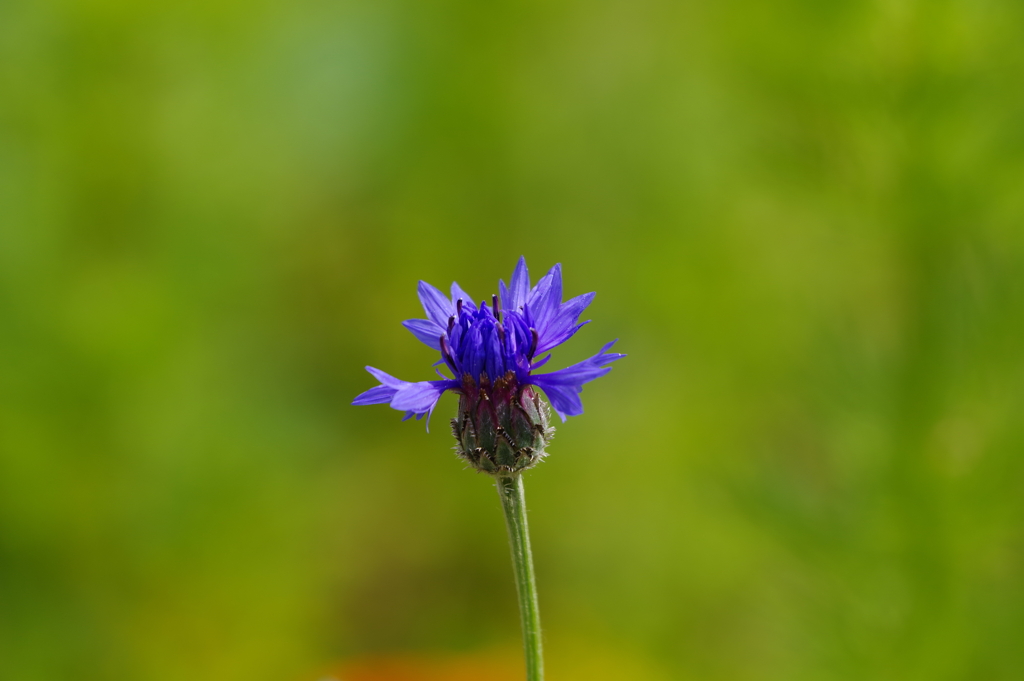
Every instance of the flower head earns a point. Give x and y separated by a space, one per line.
492 352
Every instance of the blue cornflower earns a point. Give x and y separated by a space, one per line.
492 352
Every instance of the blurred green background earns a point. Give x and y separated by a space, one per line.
803 221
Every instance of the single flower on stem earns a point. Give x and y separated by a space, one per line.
502 428
493 352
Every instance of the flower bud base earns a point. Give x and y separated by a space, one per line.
502 427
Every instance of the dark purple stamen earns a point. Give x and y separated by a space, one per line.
451 324
458 307
494 303
446 353
533 342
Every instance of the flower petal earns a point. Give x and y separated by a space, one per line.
380 394
473 352
415 399
426 331
387 379
515 295
505 294
435 304
421 397
457 293
563 386
545 298
564 399
540 362
564 324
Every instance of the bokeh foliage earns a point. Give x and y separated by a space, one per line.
803 219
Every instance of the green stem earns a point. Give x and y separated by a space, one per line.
514 504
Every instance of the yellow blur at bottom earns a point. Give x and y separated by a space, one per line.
572 662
